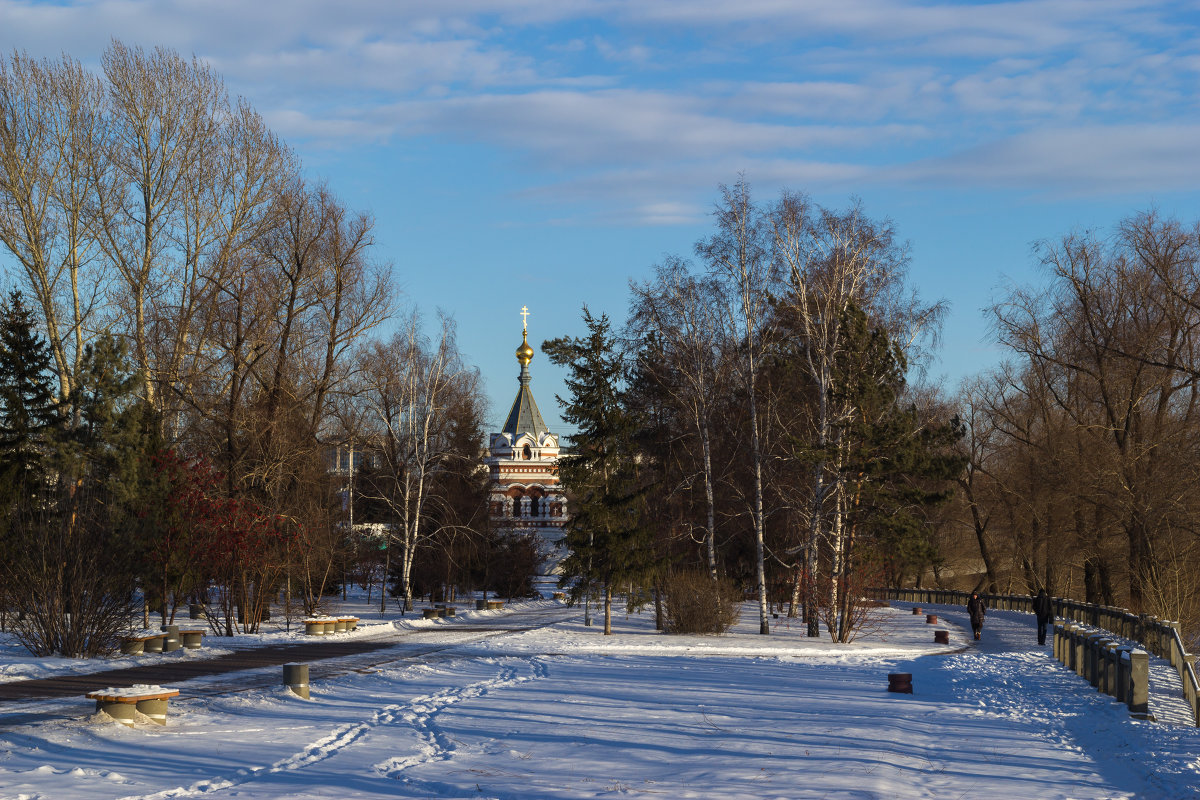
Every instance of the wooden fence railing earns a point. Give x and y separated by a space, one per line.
1159 637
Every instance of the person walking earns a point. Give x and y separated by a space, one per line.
977 610
1043 609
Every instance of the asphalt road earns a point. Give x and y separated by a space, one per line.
325 657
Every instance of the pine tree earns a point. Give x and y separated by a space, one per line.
608 540
29 411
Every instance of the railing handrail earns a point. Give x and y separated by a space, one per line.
1160 637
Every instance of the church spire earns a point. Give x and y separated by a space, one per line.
524 416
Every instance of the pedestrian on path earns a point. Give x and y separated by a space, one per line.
1043 609
977 610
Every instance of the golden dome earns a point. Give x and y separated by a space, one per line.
524 352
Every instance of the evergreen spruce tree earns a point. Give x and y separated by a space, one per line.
29 411
894 465
609 544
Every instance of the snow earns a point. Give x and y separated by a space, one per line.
137 690
562 711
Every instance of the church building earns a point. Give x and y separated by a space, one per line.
522 462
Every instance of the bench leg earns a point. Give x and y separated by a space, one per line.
121 712
154 708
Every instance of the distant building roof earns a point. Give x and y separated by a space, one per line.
524 416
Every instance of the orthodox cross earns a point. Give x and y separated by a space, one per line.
524 319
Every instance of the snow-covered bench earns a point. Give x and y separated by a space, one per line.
144 642
192 639
124 704
319 626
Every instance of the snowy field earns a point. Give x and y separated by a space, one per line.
564 712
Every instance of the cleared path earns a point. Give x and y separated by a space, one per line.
348 654
1009 632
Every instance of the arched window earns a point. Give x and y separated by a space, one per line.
534 506
528 453
516 506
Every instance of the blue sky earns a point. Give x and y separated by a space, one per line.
545 152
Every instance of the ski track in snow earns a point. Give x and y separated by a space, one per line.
420 713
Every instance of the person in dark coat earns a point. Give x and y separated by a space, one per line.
1043 609
977 610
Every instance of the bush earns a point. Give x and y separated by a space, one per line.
695 603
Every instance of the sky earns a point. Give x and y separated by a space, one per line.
544 153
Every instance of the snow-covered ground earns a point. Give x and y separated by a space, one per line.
564 712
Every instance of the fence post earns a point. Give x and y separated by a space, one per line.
1139 682
1095 642
1078 655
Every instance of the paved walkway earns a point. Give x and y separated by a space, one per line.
183 670
1015 631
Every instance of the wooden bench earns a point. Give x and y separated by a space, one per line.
120 704
319 626
136 645
346 624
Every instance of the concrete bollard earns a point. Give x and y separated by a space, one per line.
916 611
1139 682
295 677
900 682
931 619
941 637
153 644
172 642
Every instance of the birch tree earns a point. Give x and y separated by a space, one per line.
831 262
738 259
408 386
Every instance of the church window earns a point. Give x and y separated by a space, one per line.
516 506
534 505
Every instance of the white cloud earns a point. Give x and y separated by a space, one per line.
824 92
1115 159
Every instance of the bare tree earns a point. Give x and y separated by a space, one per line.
165 118
1112 339
53 156
978 446
738 259
678 312
408 387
